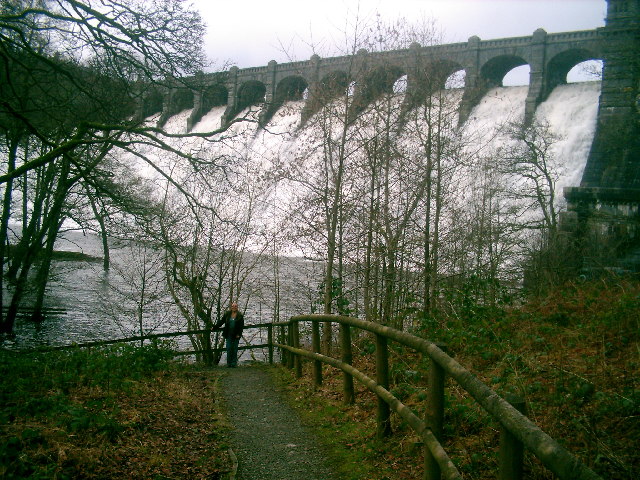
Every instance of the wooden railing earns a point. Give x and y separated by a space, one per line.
141 338
518 431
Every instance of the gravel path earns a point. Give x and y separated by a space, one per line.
268 438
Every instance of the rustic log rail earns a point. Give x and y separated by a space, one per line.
517 430
515 424
139 338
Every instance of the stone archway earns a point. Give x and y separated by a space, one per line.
152 103
493 71
250 93
288 89
214 96
378 82
182 99
559 66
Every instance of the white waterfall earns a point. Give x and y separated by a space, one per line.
570 111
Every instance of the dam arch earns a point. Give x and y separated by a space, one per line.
152 103
429 77
250 93
333 84
496 69
376 83
214 96
560 65
291 88
176 100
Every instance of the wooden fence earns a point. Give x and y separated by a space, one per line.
517 431
142 338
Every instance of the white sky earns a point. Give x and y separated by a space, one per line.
250 33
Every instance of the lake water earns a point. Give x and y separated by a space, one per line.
84 303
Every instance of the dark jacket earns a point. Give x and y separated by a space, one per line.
224 323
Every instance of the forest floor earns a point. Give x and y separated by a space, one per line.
66 418
125 414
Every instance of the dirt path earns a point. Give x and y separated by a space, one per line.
268 439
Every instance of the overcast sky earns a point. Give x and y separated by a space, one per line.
250 33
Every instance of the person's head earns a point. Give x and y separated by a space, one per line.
234 307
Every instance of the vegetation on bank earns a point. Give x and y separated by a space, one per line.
572 355
120 412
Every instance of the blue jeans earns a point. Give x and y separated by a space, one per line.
232 352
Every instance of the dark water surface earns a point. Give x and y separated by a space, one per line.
84 303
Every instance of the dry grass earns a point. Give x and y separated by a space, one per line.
166 425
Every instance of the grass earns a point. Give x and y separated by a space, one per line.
572 356
121 412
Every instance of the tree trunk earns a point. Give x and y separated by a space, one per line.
106 258
4 226
51 226
42 274
33 233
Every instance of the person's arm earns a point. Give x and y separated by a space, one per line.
239 325
220 322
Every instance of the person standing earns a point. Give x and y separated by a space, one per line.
232 323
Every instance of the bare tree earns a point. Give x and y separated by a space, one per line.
137 298
530 162
72 73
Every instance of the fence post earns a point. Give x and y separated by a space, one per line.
296 344
283 352
315 344
347 357
434 415
511 449
291 356
382 378
270 342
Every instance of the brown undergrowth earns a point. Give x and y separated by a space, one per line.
160 424
573 357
